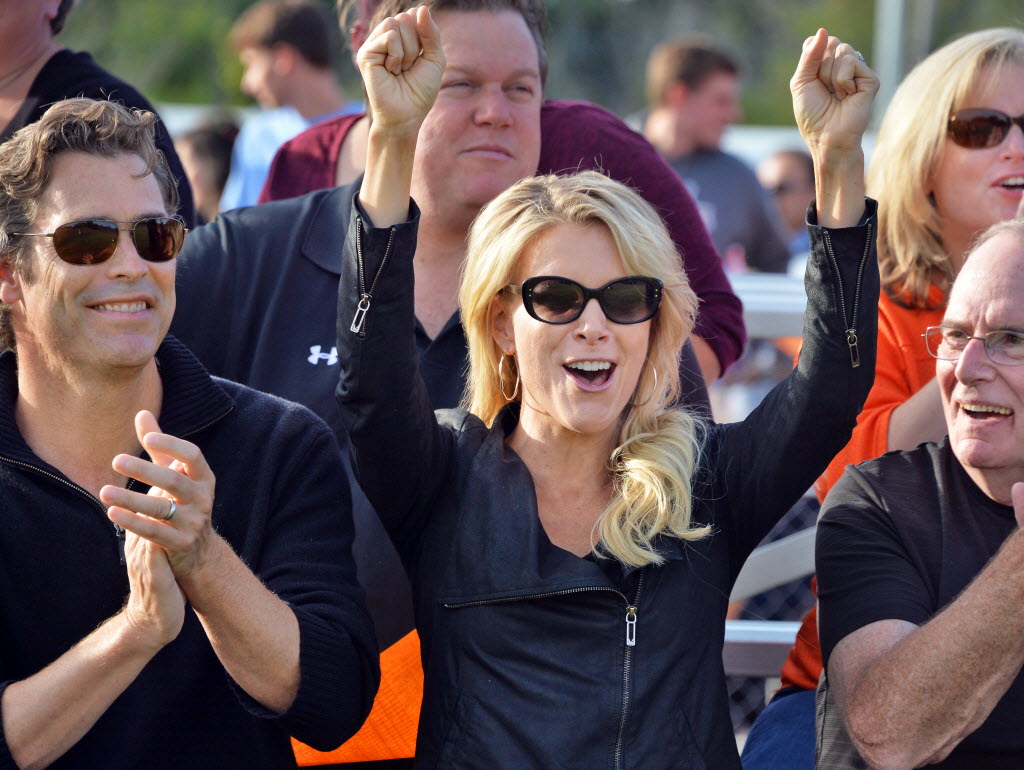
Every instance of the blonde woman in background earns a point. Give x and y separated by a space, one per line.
572 536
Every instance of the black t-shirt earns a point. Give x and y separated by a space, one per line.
69 74
900 538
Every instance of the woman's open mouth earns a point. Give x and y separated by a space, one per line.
590 375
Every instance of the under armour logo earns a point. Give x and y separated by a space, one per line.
315 356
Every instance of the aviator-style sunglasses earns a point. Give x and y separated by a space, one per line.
92 241
977 128
555 300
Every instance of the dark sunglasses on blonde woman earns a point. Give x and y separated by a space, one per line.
92 241
555 300
977 128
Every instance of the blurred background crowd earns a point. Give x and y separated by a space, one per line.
180 53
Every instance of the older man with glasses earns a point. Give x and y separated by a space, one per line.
921 554
146 619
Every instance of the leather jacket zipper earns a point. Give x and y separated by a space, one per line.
524 597
627 668
630 639
358 325
849 321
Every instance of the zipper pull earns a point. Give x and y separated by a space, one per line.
631 626
119 534
851 341
360 317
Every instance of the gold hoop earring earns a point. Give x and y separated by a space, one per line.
501 378
653 389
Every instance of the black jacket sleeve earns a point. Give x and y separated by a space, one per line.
401 456
763 465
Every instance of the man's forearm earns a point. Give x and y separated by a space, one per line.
254 633
48 713
917 700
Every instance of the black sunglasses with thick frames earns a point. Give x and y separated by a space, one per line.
552 299
93 241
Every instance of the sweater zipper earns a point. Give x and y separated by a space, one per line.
851 330
358 325
627 668
118 531
214 421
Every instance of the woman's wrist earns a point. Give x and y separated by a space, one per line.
384 194
839 185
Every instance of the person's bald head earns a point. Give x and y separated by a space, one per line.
980 366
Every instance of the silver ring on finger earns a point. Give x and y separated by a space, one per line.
859 55
174 510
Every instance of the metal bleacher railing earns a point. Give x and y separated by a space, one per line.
773 306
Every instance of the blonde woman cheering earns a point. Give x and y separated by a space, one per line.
570 535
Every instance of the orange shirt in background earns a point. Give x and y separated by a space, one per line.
390 730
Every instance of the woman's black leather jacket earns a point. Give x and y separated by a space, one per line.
534 657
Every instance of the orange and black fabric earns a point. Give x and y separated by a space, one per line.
390 730
902 369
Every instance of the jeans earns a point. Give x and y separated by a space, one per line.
783 735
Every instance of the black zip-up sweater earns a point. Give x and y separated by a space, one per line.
282 504
532 656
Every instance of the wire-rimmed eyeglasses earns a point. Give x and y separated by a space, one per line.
1002 346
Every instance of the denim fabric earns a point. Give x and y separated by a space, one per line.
783 735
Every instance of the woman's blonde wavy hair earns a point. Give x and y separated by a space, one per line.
910 146
659 444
